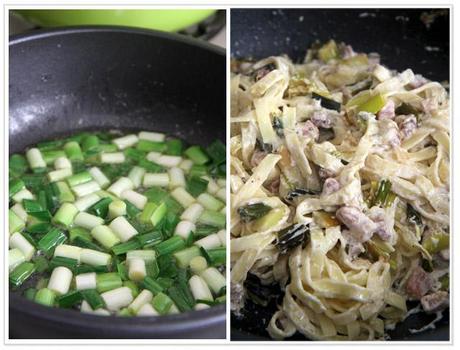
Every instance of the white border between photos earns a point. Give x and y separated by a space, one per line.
197 344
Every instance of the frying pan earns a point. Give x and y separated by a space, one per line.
95 78
402 40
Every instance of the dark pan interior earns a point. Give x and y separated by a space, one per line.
398 35
91 78
64 81
402 40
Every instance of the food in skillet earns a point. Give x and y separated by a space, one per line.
131 225
340 193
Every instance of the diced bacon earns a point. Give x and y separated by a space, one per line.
325 173
389 132
419 283
322 119
236 297
378 215
388 111
429 105
257 157
435 302
407 125
274 186
330 185
418 81
361 227
308 129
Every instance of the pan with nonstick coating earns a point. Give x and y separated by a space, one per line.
404 38
101 78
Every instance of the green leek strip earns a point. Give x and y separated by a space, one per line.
150 284
197 155
436 242
79 178
108 281
73 151
123 248
171 245
70 299
134 154
216 256
133 286
41 264
196 185
90 143
51 155
21 273
328 51
15 223
198 170
71 264
93 298
89 268
151 146
45 297
212 218
149 239
31 206
183 257
217 152
53 238
150 167
100 208
372 105
162 303
30 293
65 215
64 192
174 147
75 232
15 186
122 271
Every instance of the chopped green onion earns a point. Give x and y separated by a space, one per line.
108 281
254 211
15 186
65 215
174 147
183 257
93 298
21 273
53 238
162 303
69 299
196 185
196 154
171 245
45 297
212 218
123 248
73 151
150 284
149 146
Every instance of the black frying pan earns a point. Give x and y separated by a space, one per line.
68 80
402 40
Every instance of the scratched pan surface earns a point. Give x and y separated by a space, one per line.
402 40
68 80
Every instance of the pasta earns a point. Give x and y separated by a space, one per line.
339 192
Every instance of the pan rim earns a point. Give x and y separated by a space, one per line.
47 32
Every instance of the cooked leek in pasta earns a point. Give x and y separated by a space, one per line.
339 192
